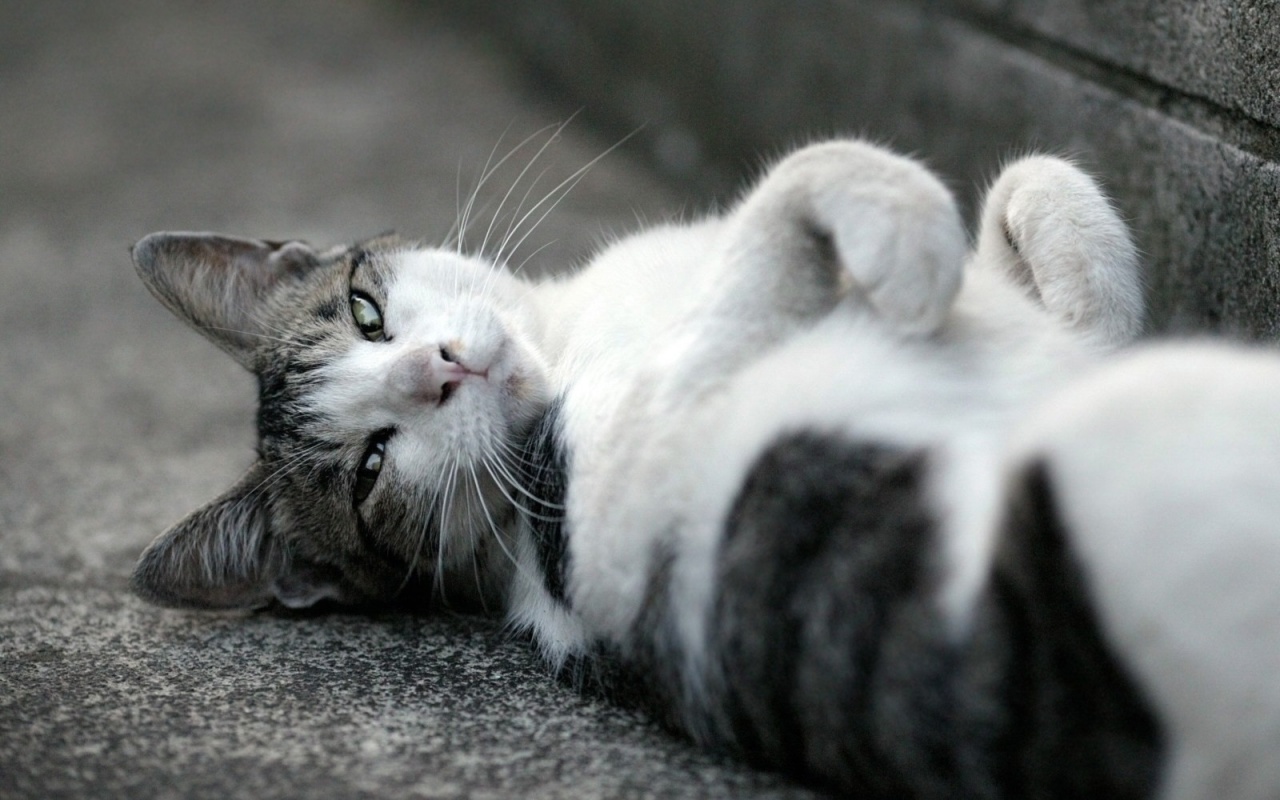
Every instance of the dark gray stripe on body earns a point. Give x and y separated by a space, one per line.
832 660
282 416
543 472
1080 726
649 670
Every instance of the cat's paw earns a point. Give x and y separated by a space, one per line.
1048 226
880 230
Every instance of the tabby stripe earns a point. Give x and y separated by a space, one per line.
655 653
833 660
329 309
1083 727
823 588
377 549
543 473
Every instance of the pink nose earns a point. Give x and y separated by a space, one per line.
427 375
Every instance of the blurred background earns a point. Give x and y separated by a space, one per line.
1173 104
332 121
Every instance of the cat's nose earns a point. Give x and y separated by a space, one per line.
428 375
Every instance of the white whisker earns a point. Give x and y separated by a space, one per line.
566 185
445 523
515 484
531 256
492 525
555 136
431 512
489 171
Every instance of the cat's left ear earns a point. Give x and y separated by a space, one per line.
220 284
225 556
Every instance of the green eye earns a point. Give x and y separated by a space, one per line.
368 316
370 467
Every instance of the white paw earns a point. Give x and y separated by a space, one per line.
889 225
1049 228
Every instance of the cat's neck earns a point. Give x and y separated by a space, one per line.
625 299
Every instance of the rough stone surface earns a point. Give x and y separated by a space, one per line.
721 82
330 121
1225 51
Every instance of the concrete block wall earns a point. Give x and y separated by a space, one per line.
1174 105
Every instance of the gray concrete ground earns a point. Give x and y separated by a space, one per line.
328 121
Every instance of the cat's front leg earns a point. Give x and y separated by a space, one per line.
846 219
1047 226
842 223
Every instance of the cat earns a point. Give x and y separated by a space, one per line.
777 471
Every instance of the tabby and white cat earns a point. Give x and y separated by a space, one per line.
778 469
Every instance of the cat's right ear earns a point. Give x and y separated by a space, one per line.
225 556
221 556
219 284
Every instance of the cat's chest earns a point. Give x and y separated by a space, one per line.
604 325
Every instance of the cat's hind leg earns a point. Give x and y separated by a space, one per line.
1047 226
1164 469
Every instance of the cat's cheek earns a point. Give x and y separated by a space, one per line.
527 386
527 394
520 380
516 386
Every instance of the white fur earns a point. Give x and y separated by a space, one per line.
1166 467
772 346
560 633
1071 244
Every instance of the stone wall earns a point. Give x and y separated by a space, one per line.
1174 105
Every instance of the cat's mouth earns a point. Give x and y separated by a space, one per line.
455 364
454 375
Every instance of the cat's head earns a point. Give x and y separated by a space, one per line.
395 383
